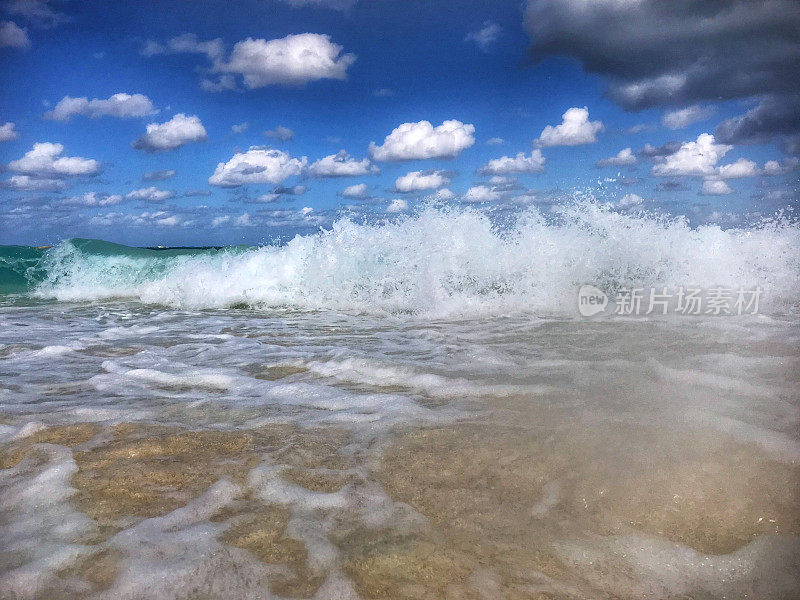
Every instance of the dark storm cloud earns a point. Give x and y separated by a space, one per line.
659 53
774 117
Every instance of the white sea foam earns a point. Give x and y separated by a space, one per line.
448 262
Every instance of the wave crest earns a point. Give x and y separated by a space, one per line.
446 262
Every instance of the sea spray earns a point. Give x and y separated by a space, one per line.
443 262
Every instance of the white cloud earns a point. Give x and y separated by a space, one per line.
150 194
186 44
495 141
575 129
715 187
292 60
257 165
94 199
44 161
26 183
397 205
773 167
38 12
359 190
159 175
342 5
243 220
241 127
284 134
697 159
678 119
416 181
383 93
629 201
741 168
178 131
341 164
411 141
8 132
158 218
506 165
306 210
481 193
443 195
218 221
122 106
13 36
623 158
485 36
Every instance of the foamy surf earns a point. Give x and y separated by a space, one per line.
440 263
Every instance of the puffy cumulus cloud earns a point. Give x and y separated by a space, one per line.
773 167
359 190
26 183
741 168
257 165
45 161
122 106
659 53
284 134
715 187
240 128
13 36
624 158
170 135
397 205
416 181
575 130
506 165
683 117
8 132
150 194
159 175
293 60
697 158
413 141
94 199
485 36
774 118
481 193
185 44
341 164
221 220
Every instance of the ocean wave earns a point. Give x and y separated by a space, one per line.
442 262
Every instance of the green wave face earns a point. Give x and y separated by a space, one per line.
24 268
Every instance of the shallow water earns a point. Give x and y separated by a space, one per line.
407 410
237 451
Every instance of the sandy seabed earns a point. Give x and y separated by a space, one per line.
513 506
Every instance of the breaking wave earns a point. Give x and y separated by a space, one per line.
439 262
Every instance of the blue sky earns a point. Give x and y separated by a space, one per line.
498 72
